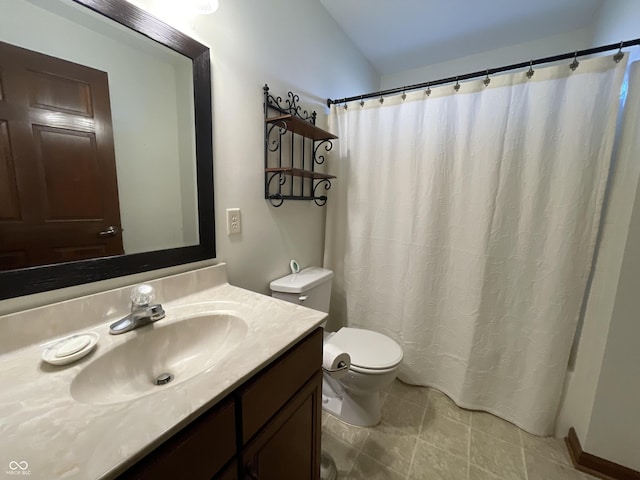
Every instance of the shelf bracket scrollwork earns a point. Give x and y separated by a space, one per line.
289 105
276 199
294 109
321 200
319 159
281 126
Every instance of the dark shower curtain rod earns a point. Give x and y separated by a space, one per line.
487 72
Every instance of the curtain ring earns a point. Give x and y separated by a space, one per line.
381 99
361 102
619 56
345 105
530 72
428 90
456 87
575 62
404 96
487 80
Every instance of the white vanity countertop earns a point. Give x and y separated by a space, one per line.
43 427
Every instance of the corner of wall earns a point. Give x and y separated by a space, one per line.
616 20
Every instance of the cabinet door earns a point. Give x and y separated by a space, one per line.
289 446
269 391
197 452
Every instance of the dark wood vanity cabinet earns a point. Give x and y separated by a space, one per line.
281 412
288 446
268 429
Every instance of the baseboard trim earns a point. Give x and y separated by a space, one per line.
596 466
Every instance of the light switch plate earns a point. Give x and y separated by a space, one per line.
233 221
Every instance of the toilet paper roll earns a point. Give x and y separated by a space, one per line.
335 361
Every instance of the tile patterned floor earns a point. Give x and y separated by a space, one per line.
424 435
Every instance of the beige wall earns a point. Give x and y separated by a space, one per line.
543 47
614 429
291 45
596 362
602 390
617 20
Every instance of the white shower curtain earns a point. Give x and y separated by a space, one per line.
463 226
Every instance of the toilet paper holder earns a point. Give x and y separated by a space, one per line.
341 366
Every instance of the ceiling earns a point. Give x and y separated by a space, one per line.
398 35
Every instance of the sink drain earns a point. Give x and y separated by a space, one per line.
163 379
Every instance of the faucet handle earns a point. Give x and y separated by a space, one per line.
142 295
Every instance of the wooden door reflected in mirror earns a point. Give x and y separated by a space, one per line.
180 192
59 187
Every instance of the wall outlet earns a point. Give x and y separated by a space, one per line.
233 221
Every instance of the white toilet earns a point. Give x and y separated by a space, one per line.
375 358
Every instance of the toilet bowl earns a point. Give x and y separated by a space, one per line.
354 398
375 359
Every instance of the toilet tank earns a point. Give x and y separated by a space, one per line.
310 287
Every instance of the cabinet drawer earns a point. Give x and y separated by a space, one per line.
197 452
269 392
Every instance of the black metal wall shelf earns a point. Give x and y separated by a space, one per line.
298 172
292 147
302 127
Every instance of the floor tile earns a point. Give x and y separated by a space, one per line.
441 404
476 473
410 393
589 477
366 468
496 456
391 447
404 415
325 415
343 455
425 435
540 468
447 434
431 463
354 436
549 447
496 427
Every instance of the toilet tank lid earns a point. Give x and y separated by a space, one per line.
302 281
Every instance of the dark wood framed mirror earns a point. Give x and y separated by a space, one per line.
25 281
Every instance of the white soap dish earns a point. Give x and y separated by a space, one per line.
70 349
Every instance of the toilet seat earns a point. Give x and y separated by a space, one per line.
370 352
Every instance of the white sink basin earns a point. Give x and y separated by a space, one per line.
181 349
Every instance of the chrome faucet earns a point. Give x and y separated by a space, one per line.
142 313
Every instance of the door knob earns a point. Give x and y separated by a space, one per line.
109 232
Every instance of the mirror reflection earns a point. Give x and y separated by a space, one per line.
97 141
